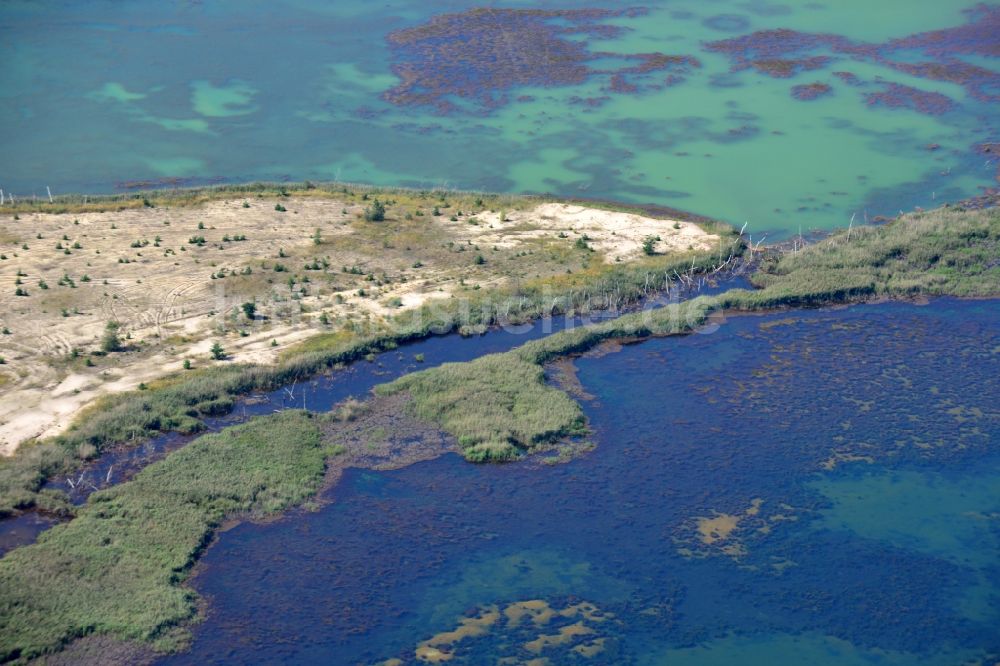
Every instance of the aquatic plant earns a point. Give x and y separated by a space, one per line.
783 53
810 91
478 55
895 95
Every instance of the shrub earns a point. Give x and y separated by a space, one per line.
279 208
375 212
111 342
217 351
249 310
649 245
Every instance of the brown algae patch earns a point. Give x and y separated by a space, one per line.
573 631
537 610
438 648
721 526
727 533
565 635
471 61
841 457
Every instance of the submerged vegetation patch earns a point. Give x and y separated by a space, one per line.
783 53
896 95
522 632
475 57
811 91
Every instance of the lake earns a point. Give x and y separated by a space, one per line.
858 109
815 486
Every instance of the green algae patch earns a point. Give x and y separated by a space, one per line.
118 568
115 92
223 101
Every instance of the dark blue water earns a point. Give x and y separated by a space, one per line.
817 487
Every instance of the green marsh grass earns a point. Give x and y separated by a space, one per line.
117 568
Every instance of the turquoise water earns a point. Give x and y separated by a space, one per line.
818 487
97 95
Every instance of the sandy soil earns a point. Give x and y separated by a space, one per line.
618 236
139 268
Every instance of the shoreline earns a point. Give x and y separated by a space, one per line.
458 399
594 317
111 418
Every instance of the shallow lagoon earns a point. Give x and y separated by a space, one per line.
94 96
819 486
